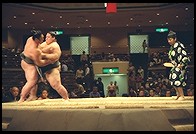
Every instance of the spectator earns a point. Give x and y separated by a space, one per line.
190 90
132 93
99 84
144 45
94 93
78 91
44 95
12 95
87 74
64 67
80 75
84 58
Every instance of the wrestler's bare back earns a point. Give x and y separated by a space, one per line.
31 49
33 52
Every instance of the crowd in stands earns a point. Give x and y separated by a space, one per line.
156 59
155 84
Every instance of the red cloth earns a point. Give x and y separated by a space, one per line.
111 8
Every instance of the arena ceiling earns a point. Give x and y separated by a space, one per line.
93 15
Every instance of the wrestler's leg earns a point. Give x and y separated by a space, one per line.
31 79
54 79
33 93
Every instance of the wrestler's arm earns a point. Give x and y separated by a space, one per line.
42 63
39 61
45 48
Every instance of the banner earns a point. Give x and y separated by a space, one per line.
111 8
